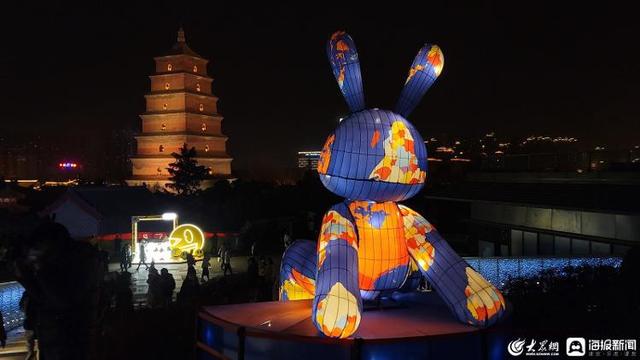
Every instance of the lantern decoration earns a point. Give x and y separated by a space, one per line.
343 57
424 71
368 244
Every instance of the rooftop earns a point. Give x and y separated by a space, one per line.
181 47
611 195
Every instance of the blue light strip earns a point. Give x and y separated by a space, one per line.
499 270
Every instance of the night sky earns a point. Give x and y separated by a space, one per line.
571 70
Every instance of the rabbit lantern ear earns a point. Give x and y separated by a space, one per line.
424 71
343 56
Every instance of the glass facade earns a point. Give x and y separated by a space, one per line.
530 240
527 243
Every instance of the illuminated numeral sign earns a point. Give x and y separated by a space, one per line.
186 238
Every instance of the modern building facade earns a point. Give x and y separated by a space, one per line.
308 159
512 214
180 109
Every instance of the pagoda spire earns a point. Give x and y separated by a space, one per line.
181 37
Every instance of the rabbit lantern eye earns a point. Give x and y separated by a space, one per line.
376 154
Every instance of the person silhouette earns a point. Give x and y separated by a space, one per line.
226 263
168 285
125 258
142 257
205 268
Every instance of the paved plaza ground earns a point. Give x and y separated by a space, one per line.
179 271
16 345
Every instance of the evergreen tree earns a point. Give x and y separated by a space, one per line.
186 174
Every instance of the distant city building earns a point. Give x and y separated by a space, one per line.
308 159
10 198
181 109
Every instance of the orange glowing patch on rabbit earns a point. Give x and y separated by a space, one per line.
341 77
306 283
341 48
400 163
415 232
413 70
334 227
436 59
338 314
325 155
379 227
375 138
483 299
337 34
297 287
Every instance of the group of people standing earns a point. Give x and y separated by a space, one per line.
161 287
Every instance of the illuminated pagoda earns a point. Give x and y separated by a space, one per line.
181 109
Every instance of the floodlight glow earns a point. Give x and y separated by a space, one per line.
169 216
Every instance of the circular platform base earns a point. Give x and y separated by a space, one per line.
412 326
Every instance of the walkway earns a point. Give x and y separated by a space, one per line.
179 271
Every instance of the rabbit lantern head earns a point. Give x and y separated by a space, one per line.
376 154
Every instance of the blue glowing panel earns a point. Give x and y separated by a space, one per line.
343 57
10 295
211 335
424 71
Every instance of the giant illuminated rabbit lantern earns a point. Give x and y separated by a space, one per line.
368 243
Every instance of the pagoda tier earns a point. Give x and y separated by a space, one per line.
180 109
